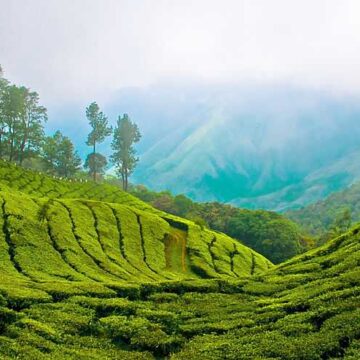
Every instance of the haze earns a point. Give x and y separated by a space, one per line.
78 50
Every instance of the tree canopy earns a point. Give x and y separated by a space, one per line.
100 130
126 134
96 164
60 155
22 121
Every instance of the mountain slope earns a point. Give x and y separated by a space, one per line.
306 308
319 217
257 147
316 186
270 147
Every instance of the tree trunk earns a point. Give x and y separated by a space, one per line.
11 155
23 142
21 154
126 180
94 159
1 144
123 179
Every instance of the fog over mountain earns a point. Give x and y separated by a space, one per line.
255 146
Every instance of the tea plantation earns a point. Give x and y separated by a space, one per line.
90 272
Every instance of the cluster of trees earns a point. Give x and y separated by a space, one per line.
21 121
125 134
23 139
22 136
60 156
269 233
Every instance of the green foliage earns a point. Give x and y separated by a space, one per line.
21 122
100 130
277 239
331 216
126 133
198 220
267 232
99 124
119 240
60 156
96 163
90 272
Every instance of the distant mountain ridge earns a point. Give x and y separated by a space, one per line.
316 186
272 147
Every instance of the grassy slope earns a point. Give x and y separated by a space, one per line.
87 279
97 237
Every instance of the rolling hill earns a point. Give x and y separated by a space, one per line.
90 272
98 233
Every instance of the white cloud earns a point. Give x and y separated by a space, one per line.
88 48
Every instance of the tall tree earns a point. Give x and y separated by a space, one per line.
13 112
60 155
3 89
50 150
22 119
68 159
96 163
31 131
126 134
100 130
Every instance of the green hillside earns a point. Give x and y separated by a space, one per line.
90 272
320 217
91 232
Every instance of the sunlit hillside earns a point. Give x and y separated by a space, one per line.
90 272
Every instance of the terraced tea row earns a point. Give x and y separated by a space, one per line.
307 308
82 241
37 184
89 279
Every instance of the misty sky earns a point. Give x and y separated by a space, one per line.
87 49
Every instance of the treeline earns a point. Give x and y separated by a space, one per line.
269 233
21 122
23 139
